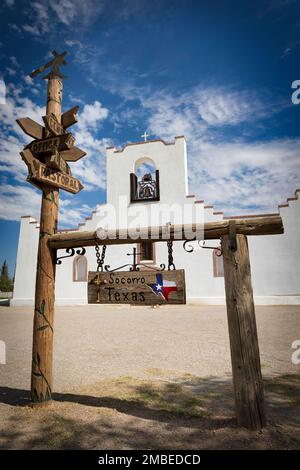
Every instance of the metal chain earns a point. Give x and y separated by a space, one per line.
100 258
171 264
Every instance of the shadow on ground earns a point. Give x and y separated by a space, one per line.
128 413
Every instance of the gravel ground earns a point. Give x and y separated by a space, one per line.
132 377
92 343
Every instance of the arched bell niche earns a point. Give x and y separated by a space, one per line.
144 182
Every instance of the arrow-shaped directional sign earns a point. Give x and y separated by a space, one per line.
58 163
53 125
58 142
68 118
40 173
32 128
72 155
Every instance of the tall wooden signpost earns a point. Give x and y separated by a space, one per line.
46 158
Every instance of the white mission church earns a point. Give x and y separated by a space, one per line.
275 260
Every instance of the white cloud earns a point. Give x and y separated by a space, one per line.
28 80
201 110
227 166
47 15
12 138
10 3
2 92
32 29
70 213
17 200
15 27
243 177
68 11
65 10
10 71
91 169
91 116
14 61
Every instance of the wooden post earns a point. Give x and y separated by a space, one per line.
42 350
246 369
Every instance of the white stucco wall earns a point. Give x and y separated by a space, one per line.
274 259
24 285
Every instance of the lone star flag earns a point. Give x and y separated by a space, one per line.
163 287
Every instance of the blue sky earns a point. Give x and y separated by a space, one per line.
219 72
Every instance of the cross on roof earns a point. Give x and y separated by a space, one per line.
145 135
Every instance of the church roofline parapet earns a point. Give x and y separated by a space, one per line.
28 217
250 216
130 144
295 198
67 230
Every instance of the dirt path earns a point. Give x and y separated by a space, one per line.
146 378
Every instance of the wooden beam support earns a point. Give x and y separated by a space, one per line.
246 369
212 230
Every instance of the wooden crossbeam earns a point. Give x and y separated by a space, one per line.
212 230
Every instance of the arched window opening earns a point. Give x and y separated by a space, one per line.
80 269
147 251
218 263
144 183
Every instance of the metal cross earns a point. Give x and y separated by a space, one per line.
145 135
97 283
134 263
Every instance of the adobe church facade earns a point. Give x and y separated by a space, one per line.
148 176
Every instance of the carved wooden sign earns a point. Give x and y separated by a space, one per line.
40 173
50 144
137 287
53 125
68 118
57 162
31 128
44 174
72 155
46 157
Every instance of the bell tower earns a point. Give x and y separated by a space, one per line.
148 172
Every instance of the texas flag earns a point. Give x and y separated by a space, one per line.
163 287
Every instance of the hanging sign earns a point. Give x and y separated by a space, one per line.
137 287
